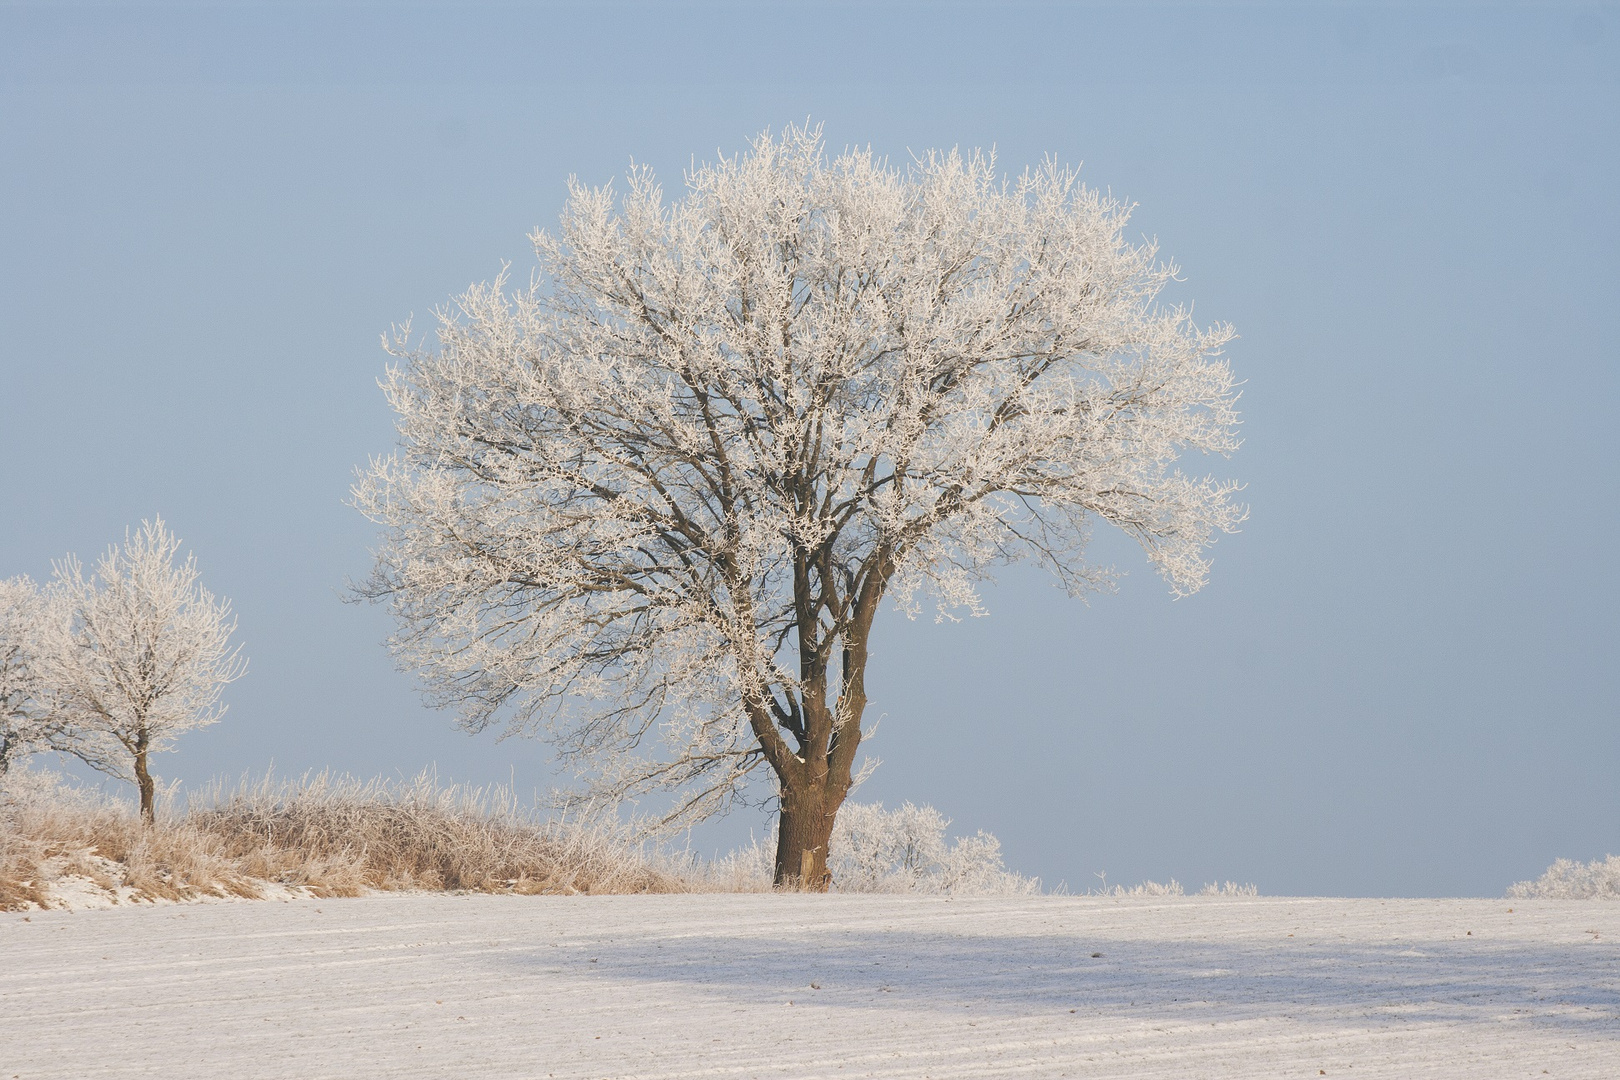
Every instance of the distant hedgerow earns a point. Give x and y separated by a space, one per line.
1567 879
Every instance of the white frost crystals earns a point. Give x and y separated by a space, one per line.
23 719
113 665
650 503
1567 879
905 850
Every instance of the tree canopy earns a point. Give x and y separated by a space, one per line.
650 504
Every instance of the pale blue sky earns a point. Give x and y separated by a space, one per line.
1402 677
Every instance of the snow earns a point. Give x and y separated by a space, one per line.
80 892
814 986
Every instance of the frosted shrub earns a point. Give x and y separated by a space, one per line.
874 850
1171 888
1147 888
744 869
1567 879
905 850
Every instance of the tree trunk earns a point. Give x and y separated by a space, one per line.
803 831
815 782
143 780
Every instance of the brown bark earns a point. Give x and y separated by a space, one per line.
803 831
143 780
816 782
813 791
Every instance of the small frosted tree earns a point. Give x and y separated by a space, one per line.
23 712
651 503
137 653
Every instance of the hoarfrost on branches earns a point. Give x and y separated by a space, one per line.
1568 879
650 503
905 850
23 712
135 654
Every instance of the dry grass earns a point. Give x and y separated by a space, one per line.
50 832
328 836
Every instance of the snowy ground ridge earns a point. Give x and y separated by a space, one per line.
792 985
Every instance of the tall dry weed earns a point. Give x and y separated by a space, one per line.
50 831
342 835
327 835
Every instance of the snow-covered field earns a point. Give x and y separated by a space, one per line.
427 985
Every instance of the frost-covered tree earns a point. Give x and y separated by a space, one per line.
651 503
137 653
23 712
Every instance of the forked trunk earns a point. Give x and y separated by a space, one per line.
143 780
815 782
803 832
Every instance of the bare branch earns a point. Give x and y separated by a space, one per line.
651 503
